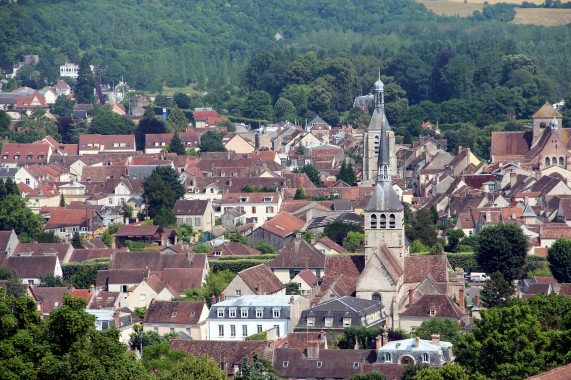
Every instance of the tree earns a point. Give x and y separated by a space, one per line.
15 215
338 230
63 106
11 187
162 189
502 248
47 237
181 100
165 218
422 228
61 200
452 371
85 83
107 122
454 236
347 174
284 110
300 150
178 120
4 122
293 288
257 369
51 281
312 173
448 329
195 368
149 124
14 287
236 237
84 276
300 194
264 247
76 241
353 241
559 258
258 105
509 343
176 146
36 127
148 338
201 248
497 291
411 370
211 141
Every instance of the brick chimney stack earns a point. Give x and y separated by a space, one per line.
312 349
416 342
385 337
477 301
410 297
213 300
378 342
461 299
436 339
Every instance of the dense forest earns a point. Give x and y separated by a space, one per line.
293 59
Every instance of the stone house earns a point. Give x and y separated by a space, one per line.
187 317
196 213
415 350
295 257
278 231
259 207
257 280
65 222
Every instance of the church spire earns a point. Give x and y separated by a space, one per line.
383 165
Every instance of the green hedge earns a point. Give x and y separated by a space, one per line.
466 261
188 113
70 269
260 336
254 122
234 266
267 256
535 258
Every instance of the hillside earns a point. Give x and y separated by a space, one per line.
209 42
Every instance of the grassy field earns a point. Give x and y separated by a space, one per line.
536 16
543 16
451 8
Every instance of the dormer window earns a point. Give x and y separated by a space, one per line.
356 365
5 157
432 312
425 357
319 364
243 199
220 312
29 157
267 199
310 321
328 321
346 322
16 157
217 253
40 157
174 314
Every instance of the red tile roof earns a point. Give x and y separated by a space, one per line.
547 111
68 218
179 312
283 224
261 280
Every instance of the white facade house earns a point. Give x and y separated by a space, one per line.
237 318
258 207
70 70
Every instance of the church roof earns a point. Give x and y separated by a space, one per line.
546 111
384 198
377 121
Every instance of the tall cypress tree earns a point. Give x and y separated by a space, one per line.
85 83
176 146
178 119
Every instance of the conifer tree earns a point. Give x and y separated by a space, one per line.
61 201
178 120
85 83
11 187
76 241
176 146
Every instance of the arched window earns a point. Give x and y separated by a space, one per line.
373 221
561 161
383 221
376 297
554 161
546 161
542 125
425 357
392 221
388 357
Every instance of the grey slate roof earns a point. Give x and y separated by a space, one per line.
384 198
344 307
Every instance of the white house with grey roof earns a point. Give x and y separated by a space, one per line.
415 350
237 318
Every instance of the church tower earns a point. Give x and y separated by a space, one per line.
385 246
373 136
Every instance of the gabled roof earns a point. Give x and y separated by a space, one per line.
52 297
298 254
547 111
308 276
68 218
180 279
174 312
33 266
129 230
233 248
104 300
43 249
417 267
261 280
283 224
332 245
443 306
190 207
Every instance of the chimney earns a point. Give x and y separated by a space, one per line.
538 175
385 337
410 297
291 300
221 297
436 339
416 342
312 349
459 149
92 289
477 301
213 300
379 342
116 317
513 179
461 299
